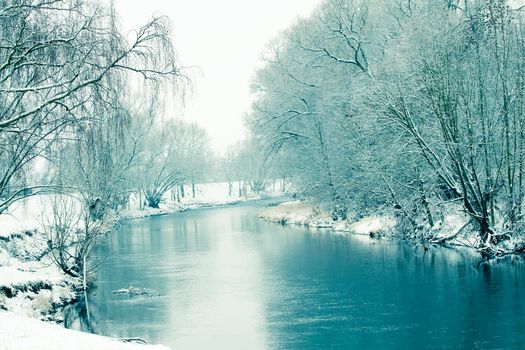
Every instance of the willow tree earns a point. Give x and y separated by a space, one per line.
162 161
56 60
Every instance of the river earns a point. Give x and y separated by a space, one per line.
228 280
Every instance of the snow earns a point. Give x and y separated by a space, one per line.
24 215
30 213
29 284
13 276
20 332
298 213
206 195
373 225
308 214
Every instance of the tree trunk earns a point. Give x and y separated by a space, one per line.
84 272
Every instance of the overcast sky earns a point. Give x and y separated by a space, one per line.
225 39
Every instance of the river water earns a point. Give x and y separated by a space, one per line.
228 280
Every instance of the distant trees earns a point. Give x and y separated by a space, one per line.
247 163
255 164
171 153
197 153
227 167
404 105
161 166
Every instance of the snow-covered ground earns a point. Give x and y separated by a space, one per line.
19 332
34 212
311 215
30 283
298 213
32 286
26 215
206 195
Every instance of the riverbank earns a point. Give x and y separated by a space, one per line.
32 286
450 229
453 228
314 216
21 332
207 196
33 290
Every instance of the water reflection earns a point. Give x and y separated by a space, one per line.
82 315
230 281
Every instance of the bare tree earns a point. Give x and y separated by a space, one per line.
72 236
403 106
162 161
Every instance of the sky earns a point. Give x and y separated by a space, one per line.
225 39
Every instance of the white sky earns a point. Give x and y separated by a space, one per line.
225 38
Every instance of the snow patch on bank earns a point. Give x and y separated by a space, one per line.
370 225
206 195
30 284
298 213
453 227
20 332
311 215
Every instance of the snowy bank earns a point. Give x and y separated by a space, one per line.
26 215
453 227
369 225
206 195
20 332
311 215
298 213
32 286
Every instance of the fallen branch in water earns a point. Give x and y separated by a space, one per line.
133 291
445 239
491 252
133 340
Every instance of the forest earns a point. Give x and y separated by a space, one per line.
411 108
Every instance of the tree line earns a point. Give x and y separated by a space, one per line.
410 107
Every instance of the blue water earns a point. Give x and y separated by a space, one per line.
227 280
